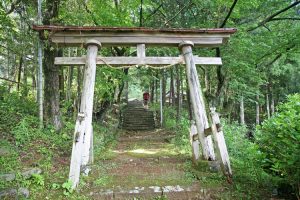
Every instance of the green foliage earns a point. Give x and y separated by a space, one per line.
25 130
67 186
103 180
38 179
279 139
246 161
13 109
181 128
163 197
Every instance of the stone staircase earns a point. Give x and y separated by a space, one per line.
135 117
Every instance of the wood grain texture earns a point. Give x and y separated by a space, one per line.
119 61
197 102
195 143
133 40
82 134
220 142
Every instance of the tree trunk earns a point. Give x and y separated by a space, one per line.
61 83
20 72
126 91
122 85
172 96
70 80
156 87
33 81
272 105
272 100
51 90
267 103
161 102
242 111
152 90
164 85
188 99
257 109
25 89
51 72
79 81
178 94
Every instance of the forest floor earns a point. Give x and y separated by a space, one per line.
145 165
127 165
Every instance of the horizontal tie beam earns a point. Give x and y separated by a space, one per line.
154 61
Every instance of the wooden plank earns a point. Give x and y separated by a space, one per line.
140 34
117 61
87 146
84 120
144 30
197 100
131 40
141 50
220 142
195 143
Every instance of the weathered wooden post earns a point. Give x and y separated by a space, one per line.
161 104
220 142
197 100
194 139
83 127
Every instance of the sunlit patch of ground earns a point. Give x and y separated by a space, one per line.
140 160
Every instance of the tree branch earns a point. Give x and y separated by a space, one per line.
141 14
284 18
271 17
153 12
228 14
12 81
220 75
92 15
175 15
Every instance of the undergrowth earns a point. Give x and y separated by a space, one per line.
27 146
245 156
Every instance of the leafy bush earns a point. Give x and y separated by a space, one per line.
25 130
181 128
246 160
279 139
12 110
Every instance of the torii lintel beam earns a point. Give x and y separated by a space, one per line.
121 61
120 36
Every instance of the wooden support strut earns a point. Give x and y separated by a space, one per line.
220 142
83 129
197 100
194 139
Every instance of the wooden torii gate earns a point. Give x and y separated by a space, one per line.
93 38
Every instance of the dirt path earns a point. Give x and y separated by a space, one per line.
144 165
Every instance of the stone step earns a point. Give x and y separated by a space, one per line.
137 121
138 127
138 112
138 118
155 192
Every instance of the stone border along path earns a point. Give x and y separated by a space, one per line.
144 165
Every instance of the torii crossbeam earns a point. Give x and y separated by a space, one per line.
95 37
